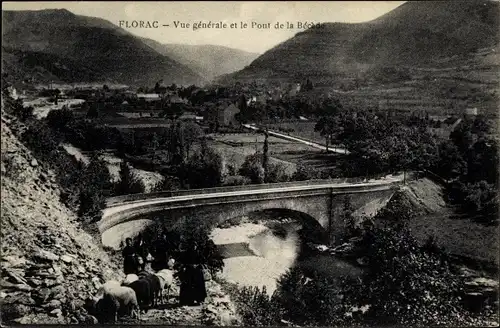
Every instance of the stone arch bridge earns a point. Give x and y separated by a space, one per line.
320 200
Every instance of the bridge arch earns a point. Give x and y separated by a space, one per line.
316 200
114 237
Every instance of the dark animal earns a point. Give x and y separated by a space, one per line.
155 288
142 291
107 309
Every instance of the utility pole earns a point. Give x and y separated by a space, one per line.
265 155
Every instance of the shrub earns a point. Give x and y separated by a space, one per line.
276 173
255 306
304 173
59 119
314 300
252 168
167 184
405 284
204 169
91 201
39 138
129 182
95 185
236 180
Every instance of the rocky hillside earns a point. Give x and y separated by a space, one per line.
57 44
49 264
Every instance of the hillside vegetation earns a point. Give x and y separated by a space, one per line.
439 56
48 44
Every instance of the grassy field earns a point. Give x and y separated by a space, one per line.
235 147
301 129
457 236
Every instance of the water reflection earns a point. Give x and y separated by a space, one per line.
260 258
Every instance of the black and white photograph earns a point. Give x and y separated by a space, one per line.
250 163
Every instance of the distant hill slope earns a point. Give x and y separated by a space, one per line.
207 60
50 44
415 34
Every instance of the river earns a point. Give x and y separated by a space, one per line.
255 255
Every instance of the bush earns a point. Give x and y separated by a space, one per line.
305 173
255 306
236 180
59 119
95 186
204 169
476 198
405 284
91 203
252 168
129 182
276 173
16 107
167 184
40 139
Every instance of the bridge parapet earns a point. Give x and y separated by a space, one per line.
348 182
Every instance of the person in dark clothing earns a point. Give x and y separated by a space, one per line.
129 260
141 251
160 253
192 289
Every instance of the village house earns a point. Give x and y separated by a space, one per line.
223 115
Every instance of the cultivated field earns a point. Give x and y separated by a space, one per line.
235 147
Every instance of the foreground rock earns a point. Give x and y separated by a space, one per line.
49 264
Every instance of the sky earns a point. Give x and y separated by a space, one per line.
249 39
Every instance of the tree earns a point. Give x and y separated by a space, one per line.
192 133
252 168
155 145
129 182
405 284
347 216
304 173
94 186
204 169
462 136
276 172
265 155
329 124
59 119
40 138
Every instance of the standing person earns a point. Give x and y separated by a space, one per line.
160 253
192 289
129 260
142 251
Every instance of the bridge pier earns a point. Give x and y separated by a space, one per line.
336 228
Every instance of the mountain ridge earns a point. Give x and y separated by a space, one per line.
207 60
92 44
416 33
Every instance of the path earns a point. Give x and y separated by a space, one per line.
306 142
